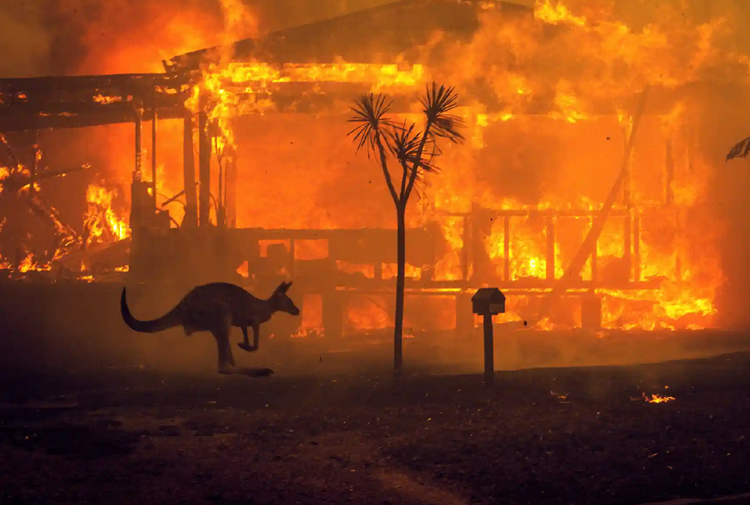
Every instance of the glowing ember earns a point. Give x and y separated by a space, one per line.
105 100
657 398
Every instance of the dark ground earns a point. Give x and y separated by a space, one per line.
140 436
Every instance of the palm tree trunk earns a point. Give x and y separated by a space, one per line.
400 281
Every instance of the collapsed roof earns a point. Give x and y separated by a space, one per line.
378 35
381 35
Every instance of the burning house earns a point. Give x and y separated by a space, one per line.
582 190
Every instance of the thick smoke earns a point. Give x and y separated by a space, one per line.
67 37
25 39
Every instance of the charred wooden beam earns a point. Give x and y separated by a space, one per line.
550 270
466 241
506 248
138 122
204 165
230 196
636 246
546 212
63 102
76 117
628 243
19 180
154 120
188 172
527 286
102 89
35 165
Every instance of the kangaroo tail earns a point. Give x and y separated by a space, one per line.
168 320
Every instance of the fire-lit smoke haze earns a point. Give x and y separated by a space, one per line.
548 100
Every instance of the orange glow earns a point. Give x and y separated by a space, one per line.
368 313
312 317
353 269
300 171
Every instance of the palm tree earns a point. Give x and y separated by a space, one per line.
740 150
414 151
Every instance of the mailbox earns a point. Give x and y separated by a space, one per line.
488 302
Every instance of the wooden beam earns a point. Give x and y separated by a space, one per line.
204 165
506 248
550 270
231 191
153 155
188 172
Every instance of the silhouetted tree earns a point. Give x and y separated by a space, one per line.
414 151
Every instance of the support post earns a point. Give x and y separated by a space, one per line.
506 248
464 318
594 256
230 189
636 246
137 263
153 157
35 166
138 173
188 172
628 183
550 248
628 245
136 197
489 351
333 314
669 191
466 242
292 260
204 164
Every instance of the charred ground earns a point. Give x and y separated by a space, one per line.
582 435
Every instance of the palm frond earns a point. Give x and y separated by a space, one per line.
370 113
404 145
436 105
740 150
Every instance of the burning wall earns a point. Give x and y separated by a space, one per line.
547 101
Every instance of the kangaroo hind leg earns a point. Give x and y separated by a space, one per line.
221 334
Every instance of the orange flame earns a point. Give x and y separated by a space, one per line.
101 220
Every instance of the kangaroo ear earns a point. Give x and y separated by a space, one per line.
283 287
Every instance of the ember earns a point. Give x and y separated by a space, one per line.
657 398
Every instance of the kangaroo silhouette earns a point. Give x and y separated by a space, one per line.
216 307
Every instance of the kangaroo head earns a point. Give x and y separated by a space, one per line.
282 302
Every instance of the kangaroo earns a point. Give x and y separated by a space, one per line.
216 307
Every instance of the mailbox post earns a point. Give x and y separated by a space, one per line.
487 302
